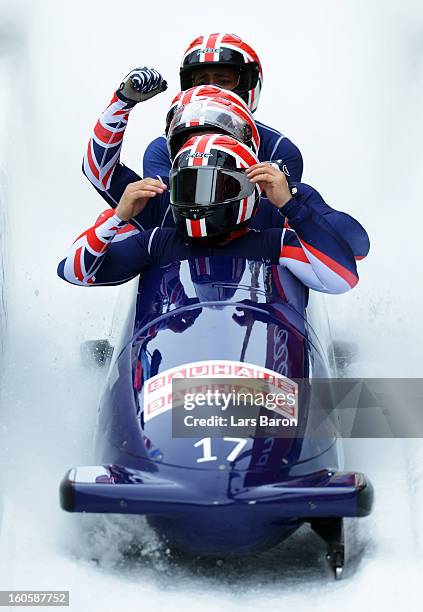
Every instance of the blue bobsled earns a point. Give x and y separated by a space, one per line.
203 496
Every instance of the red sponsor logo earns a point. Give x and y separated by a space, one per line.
244 372
155 405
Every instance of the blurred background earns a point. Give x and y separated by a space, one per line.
344 81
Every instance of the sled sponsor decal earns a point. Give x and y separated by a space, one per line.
157 391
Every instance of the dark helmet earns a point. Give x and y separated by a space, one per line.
220 114
227 50
210 193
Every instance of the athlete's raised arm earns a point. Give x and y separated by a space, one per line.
101 164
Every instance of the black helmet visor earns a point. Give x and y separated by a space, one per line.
205 186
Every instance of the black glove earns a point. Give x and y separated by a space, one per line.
280 165
140 85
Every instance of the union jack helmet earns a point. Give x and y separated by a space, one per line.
200 93
218 113
228 50
210 193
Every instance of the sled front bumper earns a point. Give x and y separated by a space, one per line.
115 489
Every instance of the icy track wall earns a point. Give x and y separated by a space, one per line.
8 48
344 81
3 225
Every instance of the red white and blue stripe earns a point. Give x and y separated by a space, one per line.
330 268
103 151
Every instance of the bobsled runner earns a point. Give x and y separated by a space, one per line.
211 496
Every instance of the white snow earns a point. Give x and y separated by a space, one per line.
344 81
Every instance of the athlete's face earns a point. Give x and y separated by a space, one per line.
226 77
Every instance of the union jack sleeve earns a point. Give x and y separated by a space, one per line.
101 161
112 252
314 252
89 249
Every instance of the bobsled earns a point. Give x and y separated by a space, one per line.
216 496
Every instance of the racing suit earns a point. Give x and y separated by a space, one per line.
113 251
102 167
110 177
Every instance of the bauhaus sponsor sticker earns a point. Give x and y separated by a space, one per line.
158 395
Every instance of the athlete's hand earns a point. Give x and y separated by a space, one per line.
136 196
272 181
141 84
